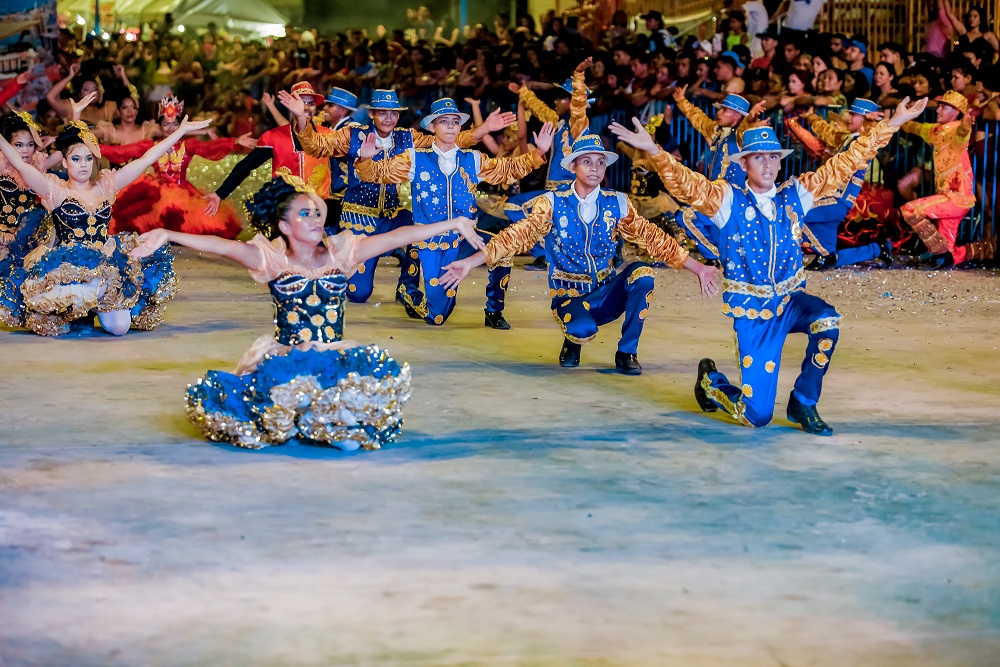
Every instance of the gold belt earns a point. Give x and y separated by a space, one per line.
370 211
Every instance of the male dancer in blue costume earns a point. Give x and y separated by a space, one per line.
377 208
569 117
337 110
581 224
733 116
443 179
760 227
821 225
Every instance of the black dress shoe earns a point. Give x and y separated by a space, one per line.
627 364
886 256
410 311
538 265
569 355
807 416
705 366
495 320
823 262
943 262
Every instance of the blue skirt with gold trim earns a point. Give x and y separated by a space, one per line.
347 399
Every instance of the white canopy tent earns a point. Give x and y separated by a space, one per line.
245 16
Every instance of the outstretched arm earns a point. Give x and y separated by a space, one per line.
15 86
636 229
831 135
267 101
62 107
244 253
829 178
477 119
509 169
379 244
704 125
33 178
395 169
752 119
496 121
578 122
543 112
326 144
515 239
134 169
683 184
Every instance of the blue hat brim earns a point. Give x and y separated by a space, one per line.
785 152
568 160
341 103
426 122
720 105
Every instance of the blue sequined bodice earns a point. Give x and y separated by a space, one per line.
308 309
75 222
13 202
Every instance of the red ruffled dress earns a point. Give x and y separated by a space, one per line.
167 199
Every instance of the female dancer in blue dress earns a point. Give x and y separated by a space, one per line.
79 269
303 381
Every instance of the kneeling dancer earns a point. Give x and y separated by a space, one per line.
764 284
580 224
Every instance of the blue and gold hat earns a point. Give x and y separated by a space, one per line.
588 143
760 140
567 86
862 107
735 102
443 107
385 100
343 98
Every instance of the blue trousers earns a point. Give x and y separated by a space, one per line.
701 230
362 283
759 344
439 302
820 231
629 292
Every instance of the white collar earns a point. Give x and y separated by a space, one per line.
448 154
770 194
589 199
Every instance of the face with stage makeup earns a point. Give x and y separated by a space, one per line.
590 169
302 220
79 163
129 110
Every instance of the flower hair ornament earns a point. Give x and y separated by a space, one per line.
170 108
32 126
79 128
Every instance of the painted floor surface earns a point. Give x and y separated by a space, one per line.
530 514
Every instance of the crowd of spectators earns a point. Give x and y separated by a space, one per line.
638 62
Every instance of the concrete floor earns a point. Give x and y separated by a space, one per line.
529 515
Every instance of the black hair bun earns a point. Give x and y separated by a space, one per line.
264 208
